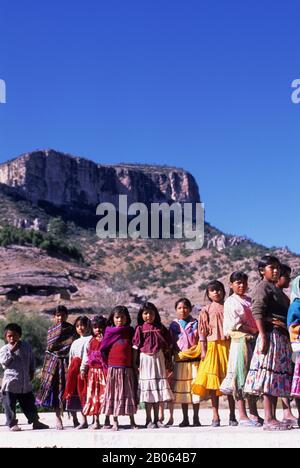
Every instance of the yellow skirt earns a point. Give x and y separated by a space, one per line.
212 371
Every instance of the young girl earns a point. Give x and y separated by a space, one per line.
154 342
76 387
93 367
184 333
213 367
240 326
271 371
53 379
294 329
117 353
169 405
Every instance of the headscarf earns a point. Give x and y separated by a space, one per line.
295 289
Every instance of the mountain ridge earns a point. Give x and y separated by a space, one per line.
38 271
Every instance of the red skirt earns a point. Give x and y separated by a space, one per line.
95 392
76 387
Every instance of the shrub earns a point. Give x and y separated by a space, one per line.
9 235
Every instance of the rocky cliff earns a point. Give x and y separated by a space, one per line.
66 181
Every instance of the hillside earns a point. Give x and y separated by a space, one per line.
41 265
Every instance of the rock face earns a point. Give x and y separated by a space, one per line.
34 282
221 242
66 181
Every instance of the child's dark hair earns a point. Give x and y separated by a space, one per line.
61 309
119 310
13 327
285 270
153 308
85 321
237 276
215 286
185 302
99 322
265 261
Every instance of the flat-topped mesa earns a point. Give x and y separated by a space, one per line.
66 181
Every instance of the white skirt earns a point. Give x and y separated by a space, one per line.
153 383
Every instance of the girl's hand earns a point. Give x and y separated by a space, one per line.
203 355
265 344
82 375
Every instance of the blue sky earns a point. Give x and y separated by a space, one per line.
197 84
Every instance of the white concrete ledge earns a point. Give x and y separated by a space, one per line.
174 437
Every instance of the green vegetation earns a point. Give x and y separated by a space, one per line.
10 235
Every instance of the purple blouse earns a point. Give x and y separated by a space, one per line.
150 339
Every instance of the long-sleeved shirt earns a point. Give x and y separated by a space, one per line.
215 314
78 347
92 357
269 302
18 367
150 339
238 313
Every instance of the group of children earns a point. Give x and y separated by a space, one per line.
239 347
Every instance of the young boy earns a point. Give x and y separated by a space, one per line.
53 380
18 362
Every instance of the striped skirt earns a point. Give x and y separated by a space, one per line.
296 379
120 397
153 383
95 392
184 376
271 374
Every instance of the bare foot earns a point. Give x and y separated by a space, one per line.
115 426
184 423
59 424
96 426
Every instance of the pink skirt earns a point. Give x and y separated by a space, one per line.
120 397
296 379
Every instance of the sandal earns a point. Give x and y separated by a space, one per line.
290 422
15 428
250 423
233 423
161 425
216 423
152 425
276 427
83 426
96 426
